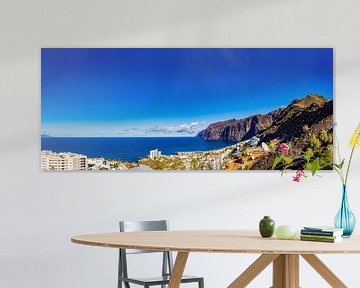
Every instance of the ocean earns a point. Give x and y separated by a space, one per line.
128 148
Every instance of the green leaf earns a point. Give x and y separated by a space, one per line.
339 166
342 163
315 165
276 161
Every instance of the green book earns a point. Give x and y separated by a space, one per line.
319 236
325 240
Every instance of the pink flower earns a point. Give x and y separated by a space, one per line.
284 148
299 175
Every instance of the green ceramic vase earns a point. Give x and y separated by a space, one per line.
267 227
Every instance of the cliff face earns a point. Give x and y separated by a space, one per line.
308 111
317 121
282 124
239 129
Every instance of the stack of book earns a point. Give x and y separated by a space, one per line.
321 234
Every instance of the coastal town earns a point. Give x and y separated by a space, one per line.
73 161
239 156
305 125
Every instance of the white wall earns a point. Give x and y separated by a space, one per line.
39 212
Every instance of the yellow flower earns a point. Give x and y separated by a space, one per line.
355 138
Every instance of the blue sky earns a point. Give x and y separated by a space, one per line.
172 92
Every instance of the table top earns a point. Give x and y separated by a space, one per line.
217 241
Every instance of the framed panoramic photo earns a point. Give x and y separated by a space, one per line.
186 108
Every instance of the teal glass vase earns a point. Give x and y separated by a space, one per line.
345 219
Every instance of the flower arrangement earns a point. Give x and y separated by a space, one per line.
313 164
286 162
345 218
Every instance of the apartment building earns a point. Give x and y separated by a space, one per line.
63 161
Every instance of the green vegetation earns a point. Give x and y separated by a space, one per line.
164 163
195 164
115 164
311 152
321 148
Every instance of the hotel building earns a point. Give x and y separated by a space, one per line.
154 154
63 161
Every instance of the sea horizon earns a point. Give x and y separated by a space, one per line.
129 149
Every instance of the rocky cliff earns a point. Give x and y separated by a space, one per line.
239 129
299 115
282 124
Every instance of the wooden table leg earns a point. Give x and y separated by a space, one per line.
324 271
178 269
253 270
286 271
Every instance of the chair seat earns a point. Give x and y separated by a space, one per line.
158 280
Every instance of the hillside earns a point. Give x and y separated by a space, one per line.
304 126
301 113
283 123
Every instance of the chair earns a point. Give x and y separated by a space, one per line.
167 265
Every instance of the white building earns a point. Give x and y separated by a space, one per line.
154 154
98 164
63 161
253 141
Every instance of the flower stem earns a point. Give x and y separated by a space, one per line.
340 171
348 166
338 150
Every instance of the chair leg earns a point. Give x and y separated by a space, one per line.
164 267
120 270
201 283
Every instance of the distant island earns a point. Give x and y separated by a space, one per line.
45 135
305 125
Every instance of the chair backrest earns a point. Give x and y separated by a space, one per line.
138 226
